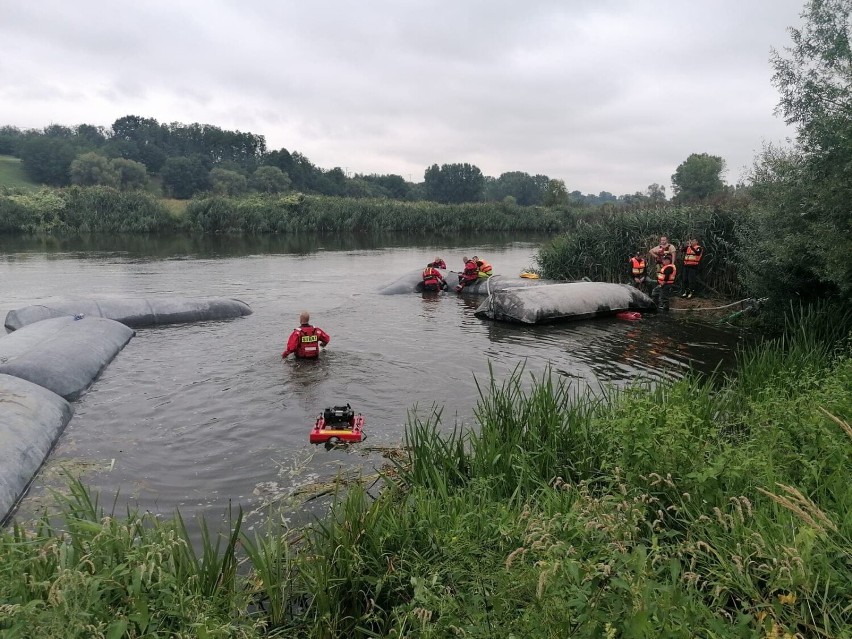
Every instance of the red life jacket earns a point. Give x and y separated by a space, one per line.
471 271
308 346
637 266
432 277
692 257
667 275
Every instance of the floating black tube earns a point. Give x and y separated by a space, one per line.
62 354
563 302
31 420
133 312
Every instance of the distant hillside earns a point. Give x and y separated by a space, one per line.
12 174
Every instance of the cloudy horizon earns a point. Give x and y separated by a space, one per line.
607 96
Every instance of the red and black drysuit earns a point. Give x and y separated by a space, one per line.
469 275
432 279
304 342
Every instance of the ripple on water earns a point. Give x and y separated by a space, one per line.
199 416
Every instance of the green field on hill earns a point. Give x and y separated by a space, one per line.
12 174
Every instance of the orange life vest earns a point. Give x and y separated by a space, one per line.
666 275
484 268
691 257
637 265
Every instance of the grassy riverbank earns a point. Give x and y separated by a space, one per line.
705 507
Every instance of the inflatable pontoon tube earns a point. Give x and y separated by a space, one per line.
134 312
31 420
563 302
413 283
62 354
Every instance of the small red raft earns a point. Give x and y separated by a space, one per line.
338 424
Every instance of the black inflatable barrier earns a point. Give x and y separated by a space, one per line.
31 420
563 302
133 312
413 283
63 354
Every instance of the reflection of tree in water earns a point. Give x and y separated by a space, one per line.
197 245
619 351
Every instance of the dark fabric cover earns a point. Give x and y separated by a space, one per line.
31 420
563 302
133 312
62 354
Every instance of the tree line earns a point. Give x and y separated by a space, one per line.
188 159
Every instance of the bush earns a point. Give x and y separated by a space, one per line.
599 246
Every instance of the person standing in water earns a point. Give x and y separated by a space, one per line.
306 340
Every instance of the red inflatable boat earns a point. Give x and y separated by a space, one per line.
338 424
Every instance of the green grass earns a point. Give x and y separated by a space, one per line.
12 174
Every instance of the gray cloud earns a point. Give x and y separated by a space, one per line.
606 95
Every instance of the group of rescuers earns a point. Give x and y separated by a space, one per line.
664 257
305 341
475 269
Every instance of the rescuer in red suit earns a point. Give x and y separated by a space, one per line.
306 340
469 275
432 278
439 263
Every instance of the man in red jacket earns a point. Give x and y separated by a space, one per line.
469 275
305 341
432 279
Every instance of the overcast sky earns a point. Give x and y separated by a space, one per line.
604 94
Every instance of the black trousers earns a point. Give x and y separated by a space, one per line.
661 295
690 278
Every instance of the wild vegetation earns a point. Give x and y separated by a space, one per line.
84 210
598 246
294 213
555 515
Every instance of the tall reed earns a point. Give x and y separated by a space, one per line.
258 214
599 246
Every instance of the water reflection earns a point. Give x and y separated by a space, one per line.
182 245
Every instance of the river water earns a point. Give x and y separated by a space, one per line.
201 416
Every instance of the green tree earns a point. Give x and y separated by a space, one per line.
48 159
394 185
9 138
184 177
698 177
656 193
226 182
800 236
454 183
131 175
527 190
557 193
93 169
269 179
